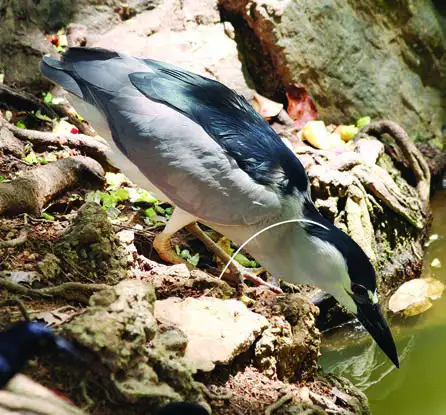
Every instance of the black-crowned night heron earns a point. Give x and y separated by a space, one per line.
199 145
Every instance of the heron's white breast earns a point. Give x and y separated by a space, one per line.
115 156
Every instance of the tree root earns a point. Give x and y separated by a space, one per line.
20 240
11 98
410 151
16 302
278 404
71 291
29 192
224 396
92 147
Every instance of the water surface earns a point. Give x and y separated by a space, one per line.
419 386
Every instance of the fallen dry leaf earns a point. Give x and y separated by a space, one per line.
316 133
266 107
301 106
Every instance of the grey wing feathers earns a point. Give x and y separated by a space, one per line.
175 153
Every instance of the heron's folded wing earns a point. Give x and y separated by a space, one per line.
207 150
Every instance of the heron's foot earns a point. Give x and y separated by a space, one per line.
238 273
250 274
162 244
256 271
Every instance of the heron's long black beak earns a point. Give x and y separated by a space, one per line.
371 317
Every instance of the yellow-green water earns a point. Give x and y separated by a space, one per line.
419 386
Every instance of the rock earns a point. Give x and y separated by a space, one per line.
217 330
345 394
185 33
179 281
139 360
413 297
290 345
89 249
49 267
436 160
22 40
334 50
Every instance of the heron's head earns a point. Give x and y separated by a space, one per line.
346 272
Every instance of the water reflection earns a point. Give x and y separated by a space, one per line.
366 367
418 387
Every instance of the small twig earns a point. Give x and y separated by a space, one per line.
92 147
20 240
73 291
19 304
278 404
215 396
85 395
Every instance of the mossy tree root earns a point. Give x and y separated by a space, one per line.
71 291
410 151
29 192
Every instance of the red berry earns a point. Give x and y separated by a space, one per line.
74 130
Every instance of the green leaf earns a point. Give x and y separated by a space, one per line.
168 211
142 196
2 179
48 98
362 122
159 210
185 254
348 132
193 259
244 261
47 216
42 117
31 158
20 124
121 195
108 201
114 180
150 212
